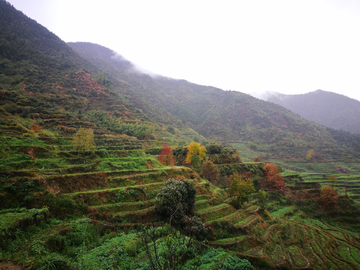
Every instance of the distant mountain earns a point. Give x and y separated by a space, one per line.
85 84
227 116
323 107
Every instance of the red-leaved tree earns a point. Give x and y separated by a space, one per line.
166 157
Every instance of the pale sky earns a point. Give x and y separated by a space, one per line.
285 46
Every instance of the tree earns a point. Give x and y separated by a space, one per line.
273 176
35 127
240 190
195 154
257 159
171 129
209 170
32 153
175 200
332 179
345 191
263 198
329 196
310 155
83 141
166 157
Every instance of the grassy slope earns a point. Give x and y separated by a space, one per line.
229 115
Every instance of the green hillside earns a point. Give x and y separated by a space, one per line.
230 116
106 200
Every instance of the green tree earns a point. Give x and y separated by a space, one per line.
240 190
195 154
171 129
263 198
175 200
83 141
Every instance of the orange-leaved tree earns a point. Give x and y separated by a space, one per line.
195 154
329 196
273 175
166 157
35 127
32 153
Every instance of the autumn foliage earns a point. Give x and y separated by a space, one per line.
310 155
35 127
83 140
32 154
209 170
329 196
195 154
273 176
166 157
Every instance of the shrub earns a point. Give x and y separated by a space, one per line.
175 200
329 196
240 190
209 170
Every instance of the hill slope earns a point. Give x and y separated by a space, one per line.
42 79
229 116
323 107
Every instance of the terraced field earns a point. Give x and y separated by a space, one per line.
351 182
118 183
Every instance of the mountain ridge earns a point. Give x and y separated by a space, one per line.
323 107
230 115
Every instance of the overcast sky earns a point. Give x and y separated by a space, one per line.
285 46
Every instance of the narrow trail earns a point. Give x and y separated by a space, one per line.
308 263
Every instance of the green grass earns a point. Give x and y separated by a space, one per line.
282 211
246 154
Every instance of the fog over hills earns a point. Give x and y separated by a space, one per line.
222 115
323 107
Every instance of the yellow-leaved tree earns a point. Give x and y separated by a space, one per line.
310 155
333 179
83 141
195 154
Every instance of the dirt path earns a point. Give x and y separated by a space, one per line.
9 266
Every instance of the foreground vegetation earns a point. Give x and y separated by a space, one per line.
62 213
